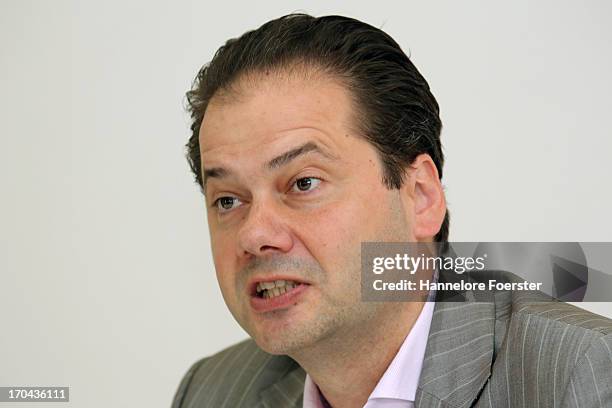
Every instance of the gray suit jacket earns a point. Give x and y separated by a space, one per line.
511 350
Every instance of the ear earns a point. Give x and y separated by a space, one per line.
425 191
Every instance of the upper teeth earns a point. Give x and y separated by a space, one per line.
275 288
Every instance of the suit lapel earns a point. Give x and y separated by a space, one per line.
459 354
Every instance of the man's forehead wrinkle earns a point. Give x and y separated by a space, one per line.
305 107
247 145
294 153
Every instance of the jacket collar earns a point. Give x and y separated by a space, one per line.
459 352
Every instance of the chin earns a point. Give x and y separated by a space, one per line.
281 343
276 346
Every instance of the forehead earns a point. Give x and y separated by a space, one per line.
267 110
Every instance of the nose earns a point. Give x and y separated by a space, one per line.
263 231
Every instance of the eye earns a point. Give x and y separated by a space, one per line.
305 184
227 203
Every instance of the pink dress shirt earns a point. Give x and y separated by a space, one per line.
397 387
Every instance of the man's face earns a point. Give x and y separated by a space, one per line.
291 192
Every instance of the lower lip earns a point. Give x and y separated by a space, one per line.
287 299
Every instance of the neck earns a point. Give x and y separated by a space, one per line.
348 364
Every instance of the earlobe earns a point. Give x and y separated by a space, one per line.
429 200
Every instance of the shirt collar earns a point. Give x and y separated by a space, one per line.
401 379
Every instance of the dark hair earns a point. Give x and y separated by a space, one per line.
397 112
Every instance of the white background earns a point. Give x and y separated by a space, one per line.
107 283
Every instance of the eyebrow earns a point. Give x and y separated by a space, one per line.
215 172
279 161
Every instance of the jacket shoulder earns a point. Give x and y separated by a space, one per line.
558 332
232 377
562 314
554 353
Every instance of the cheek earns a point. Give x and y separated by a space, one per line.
334 234
224 263
370 214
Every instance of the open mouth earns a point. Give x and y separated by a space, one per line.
276 294
272 289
